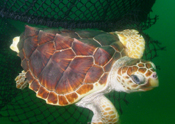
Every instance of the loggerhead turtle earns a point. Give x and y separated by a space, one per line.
66 67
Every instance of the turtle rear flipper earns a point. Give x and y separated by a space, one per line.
21 81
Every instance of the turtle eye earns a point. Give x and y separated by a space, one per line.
137 79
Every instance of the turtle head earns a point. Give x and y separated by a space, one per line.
135 75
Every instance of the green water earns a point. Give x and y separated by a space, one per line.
156 106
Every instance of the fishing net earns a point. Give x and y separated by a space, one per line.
101 14
23 106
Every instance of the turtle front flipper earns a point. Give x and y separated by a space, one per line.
133 41
21 81
104 111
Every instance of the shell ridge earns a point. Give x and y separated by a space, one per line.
44 68
54 62
62 76
32 45
26 37
97 41
32 52
73 72
83 82
78 35
112 57
42 63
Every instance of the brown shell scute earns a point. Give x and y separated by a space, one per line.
40 57
57 64
69 33
103 79
29 77
64 66
52 98
62 42
108 66
62 100
30 31
118 46
35 85
21 54
81 48
106 38
72 97
42 92
93 74
30 45
84 89
24 64
103 55
45 37
74 75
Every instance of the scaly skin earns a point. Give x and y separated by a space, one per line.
133 41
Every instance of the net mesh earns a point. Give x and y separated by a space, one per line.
23 106
101 14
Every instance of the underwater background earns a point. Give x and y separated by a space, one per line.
156 106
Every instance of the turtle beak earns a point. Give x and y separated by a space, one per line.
152 82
